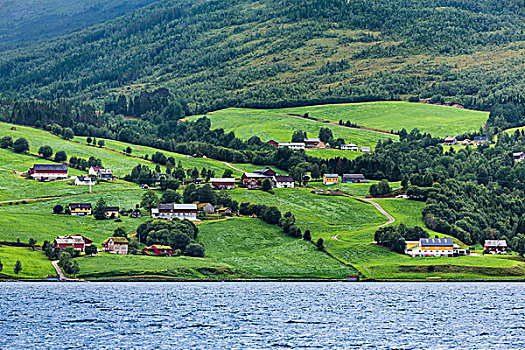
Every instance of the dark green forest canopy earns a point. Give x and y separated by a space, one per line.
25 21
216 54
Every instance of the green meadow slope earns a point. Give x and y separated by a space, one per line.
279 124
440 121
112 154
236 248
270 124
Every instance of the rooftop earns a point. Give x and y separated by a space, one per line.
222 179
52 167
437 242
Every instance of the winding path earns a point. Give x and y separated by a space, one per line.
379 208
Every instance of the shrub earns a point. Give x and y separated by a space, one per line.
194 249
320 244
60 156
21 145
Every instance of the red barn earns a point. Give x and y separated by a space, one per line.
78 242
46 172
273 143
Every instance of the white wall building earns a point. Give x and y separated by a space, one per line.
170 211
293 145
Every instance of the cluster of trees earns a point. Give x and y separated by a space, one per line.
394 237
380 190
19 146
178 234
83 164
272 216
66 133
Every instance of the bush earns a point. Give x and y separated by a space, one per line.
6 142
60 156
320 244
307 236
45 151
194 249
58 209
21 145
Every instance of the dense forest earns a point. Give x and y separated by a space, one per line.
26 21
215 54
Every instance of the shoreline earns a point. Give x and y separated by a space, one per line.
263 280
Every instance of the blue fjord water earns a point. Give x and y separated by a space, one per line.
262 315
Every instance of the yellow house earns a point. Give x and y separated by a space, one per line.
330 179
80 209
112 212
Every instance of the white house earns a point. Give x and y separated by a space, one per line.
349 147
93 171
365 149
219 183
281 181
173 210
450 141
105 174
293 145
84 181
518 156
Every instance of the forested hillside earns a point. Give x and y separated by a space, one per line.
216 54
24 21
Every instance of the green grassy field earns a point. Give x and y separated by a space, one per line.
440 121
276 125
360 189
34 263
109 265
322 215
36 220
264 250
236 248
14 186
110 159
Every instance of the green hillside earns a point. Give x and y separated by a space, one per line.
216 54
112 154
279 124
24 21
269 124
440 121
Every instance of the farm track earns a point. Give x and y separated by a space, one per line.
341 126
232 167
378 207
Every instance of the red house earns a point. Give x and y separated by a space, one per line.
159 250
496 246
253 180
78 242
273 143
267 172
47 172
